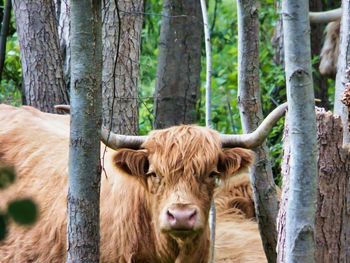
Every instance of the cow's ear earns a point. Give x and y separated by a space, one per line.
132 162
233 160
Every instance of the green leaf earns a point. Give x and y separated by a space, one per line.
7 176
2 227
23 211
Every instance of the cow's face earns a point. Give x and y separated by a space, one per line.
179 167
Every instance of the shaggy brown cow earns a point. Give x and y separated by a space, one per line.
237 234
330 50
154 201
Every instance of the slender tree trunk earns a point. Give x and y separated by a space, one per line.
41 61
4 32
251 115
342 67
179 59
120 78
333 214
63 18
84 154
300 219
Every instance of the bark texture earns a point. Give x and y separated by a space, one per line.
179 63
342 67
251 115
120 78
333 213
84 151
300 219
41 60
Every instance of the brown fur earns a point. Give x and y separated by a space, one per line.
237 234
330 50
132 201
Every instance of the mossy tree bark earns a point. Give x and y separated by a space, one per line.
251 115
84 151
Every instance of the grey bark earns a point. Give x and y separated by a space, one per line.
120 78
84 151
178 72
333 214
251 115
41 61
300 219
342 67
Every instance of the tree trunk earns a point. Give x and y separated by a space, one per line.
342 67
333 214
41 61
63 18
121 67
84 153
251 115
300 219
179 63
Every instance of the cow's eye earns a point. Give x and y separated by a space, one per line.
152 175
213 174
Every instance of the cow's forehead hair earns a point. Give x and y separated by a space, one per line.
187 148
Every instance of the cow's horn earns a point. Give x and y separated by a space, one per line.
256 138
117 141
325 17
63 107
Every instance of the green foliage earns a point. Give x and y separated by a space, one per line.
7 176
11 82
2 227
148 63
22 211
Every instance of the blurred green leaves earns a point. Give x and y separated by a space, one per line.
21 211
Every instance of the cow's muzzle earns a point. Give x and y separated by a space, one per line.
182 220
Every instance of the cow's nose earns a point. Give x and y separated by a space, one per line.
182 218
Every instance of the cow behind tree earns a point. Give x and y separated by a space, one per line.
154 201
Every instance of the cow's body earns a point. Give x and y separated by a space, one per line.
133 228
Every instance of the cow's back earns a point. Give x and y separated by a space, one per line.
237 234
36 144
